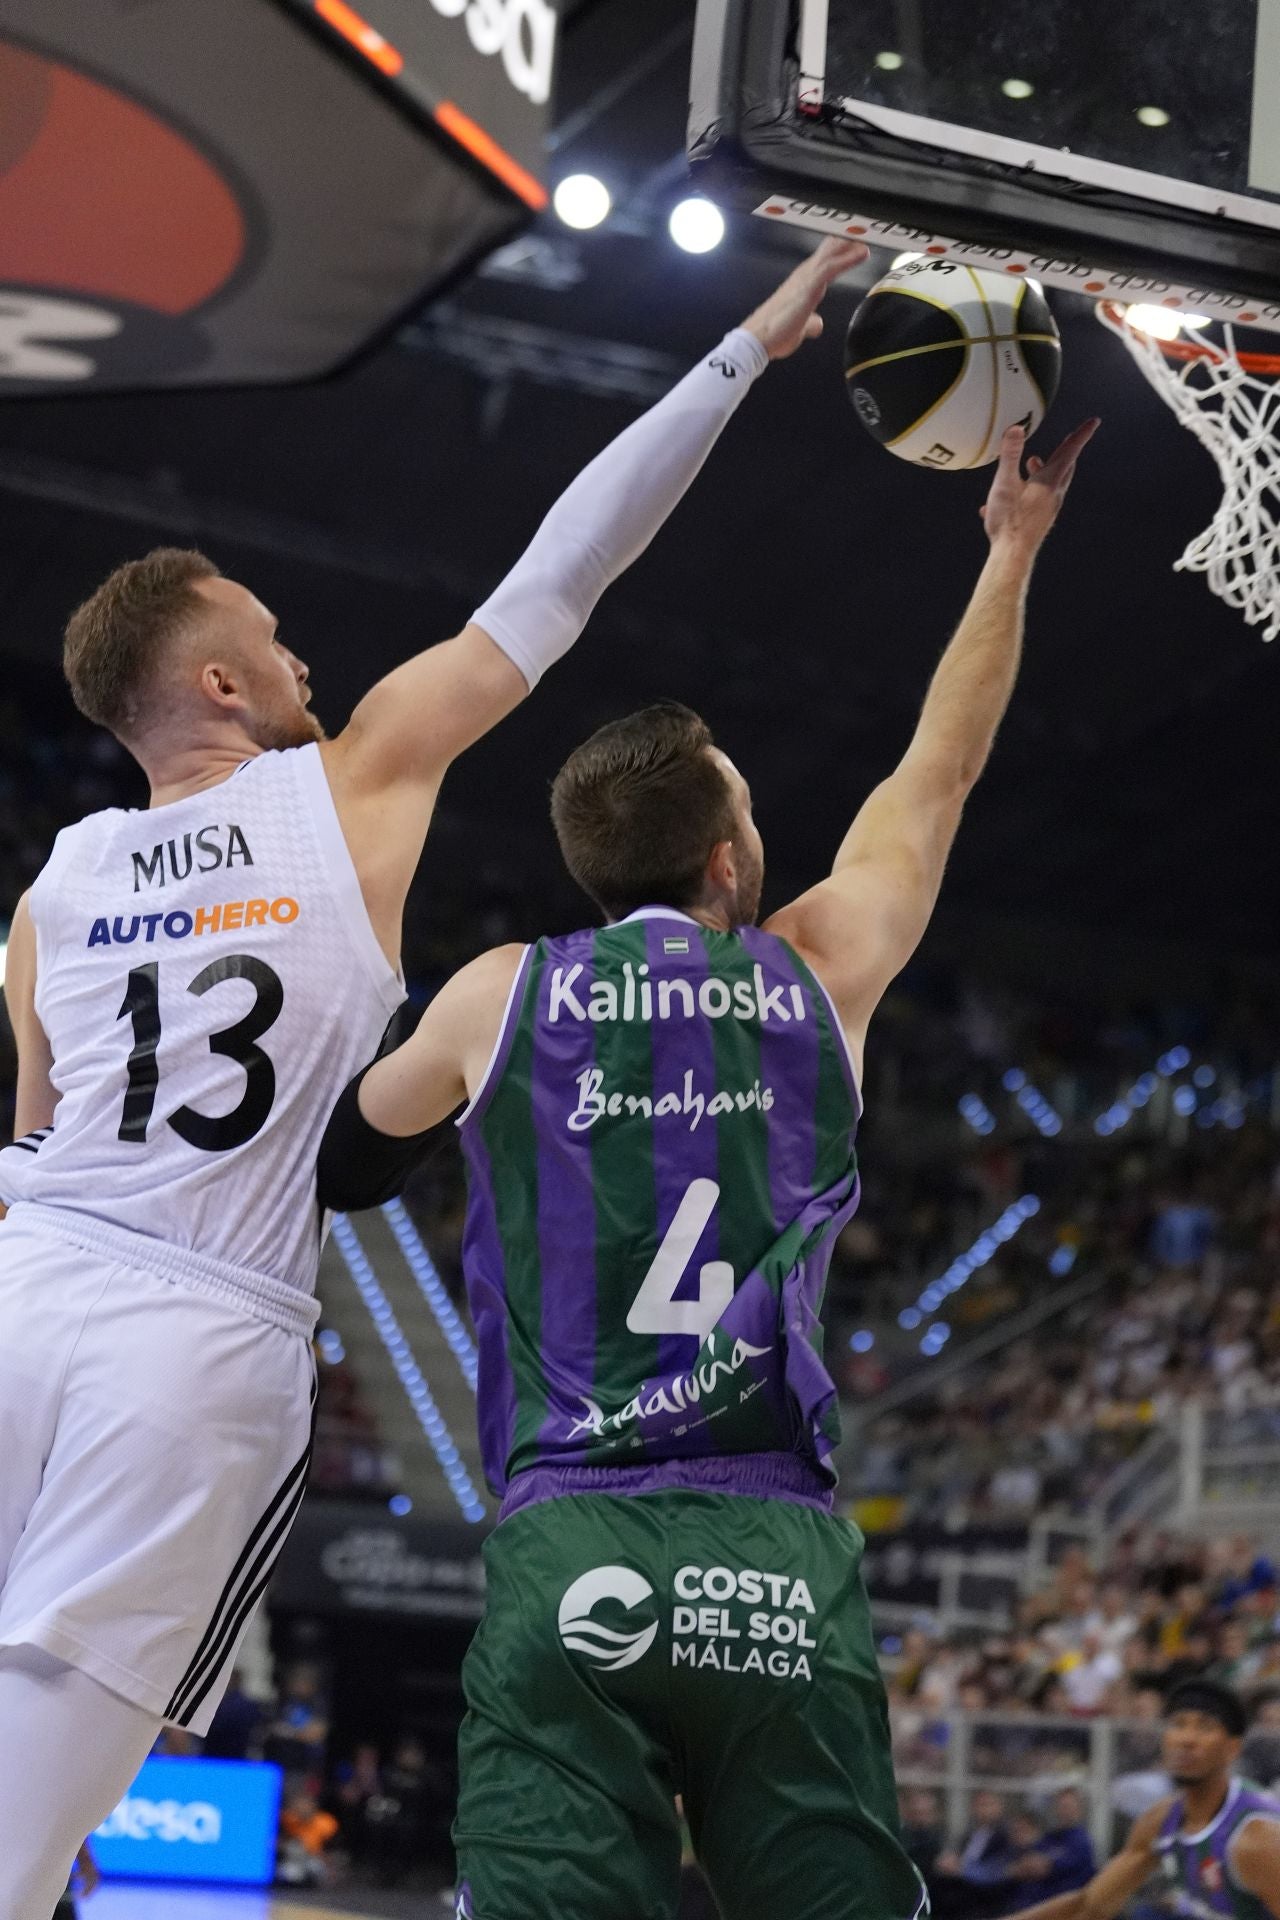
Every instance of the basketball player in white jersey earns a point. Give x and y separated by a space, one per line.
191 988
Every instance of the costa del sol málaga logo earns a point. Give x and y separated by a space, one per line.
607 1647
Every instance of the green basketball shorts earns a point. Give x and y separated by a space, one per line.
635 1648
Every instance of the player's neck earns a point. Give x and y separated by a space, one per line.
175 773
1204 1802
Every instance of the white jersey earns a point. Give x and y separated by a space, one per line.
209 981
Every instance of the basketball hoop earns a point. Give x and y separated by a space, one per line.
1230 400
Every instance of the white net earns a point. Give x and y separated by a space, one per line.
1234 412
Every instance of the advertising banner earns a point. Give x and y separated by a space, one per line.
194 1820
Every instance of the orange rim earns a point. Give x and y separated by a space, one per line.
1267 365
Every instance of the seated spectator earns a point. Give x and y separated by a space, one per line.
1089 1675
305 1834
1059 1860
236 1724
922 1833
299 1732
968 1884
357 1789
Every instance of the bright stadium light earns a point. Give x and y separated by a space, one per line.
583 202
889 62
1152 116
1158 323
1017 89
697 226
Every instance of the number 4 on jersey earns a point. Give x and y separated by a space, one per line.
655 1308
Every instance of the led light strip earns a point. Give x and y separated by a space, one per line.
409 1373
432 1288
984 1248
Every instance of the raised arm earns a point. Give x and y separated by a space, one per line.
861 926
1114 1885
386 768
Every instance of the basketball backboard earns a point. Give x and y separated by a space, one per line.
1129 151
200 194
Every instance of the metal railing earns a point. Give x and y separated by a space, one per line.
1028 1758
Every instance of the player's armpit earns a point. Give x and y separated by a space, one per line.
36 1095
380 1126
1255 1862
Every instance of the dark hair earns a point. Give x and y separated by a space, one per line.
113 643
1207 1696
639 808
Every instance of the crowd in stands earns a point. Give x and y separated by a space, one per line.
1087 1645
1175 1272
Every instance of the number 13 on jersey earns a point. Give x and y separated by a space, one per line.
211 1133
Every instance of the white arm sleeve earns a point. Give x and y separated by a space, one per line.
613 510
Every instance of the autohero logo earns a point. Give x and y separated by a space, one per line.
609 1648
756 1622
522 31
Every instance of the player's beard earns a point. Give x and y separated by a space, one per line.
750 888
276 732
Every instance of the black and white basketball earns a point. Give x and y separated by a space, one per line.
942 358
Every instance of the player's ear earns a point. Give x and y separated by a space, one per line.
220 685
722 869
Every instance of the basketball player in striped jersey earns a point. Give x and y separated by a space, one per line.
1215 1843
191 987
660 1149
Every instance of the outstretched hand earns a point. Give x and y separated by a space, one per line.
1025 507
790 316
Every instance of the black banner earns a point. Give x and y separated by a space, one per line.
346 1558
905 1567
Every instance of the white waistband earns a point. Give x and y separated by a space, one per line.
255 1293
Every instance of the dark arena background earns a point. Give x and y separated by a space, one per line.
346 297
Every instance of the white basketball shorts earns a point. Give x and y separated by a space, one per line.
155 1431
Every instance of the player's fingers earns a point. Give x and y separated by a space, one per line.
1075 443
815 328
1011 448
835 257
1035 465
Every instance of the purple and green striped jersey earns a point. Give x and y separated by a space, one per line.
659 1163
1197 1866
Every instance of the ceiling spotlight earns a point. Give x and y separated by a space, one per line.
890 62
1158 323
697 226
1153 116
583 202
1017 89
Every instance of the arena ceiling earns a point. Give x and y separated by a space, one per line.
799 599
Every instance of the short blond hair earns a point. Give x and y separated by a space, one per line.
115 644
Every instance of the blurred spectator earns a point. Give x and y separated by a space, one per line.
968 1883
299 1730
306 1832
922 1833
236 1724
1058 1860
357 1788
398 1818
